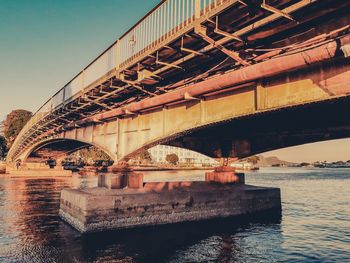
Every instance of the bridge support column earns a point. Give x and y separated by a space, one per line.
124 201
225 175
99 209
121 177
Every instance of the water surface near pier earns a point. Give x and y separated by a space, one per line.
315 224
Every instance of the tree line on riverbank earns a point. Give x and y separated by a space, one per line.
11 127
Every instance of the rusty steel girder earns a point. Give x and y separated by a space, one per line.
274 66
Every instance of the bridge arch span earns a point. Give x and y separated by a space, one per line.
236 136
290 109
58 148
259 132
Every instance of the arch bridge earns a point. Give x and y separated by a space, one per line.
225 78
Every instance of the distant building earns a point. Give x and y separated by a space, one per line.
160 152
242 165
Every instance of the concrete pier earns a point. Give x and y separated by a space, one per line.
100 209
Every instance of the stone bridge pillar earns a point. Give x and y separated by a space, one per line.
225 174
119 177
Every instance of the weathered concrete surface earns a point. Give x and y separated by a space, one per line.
100 209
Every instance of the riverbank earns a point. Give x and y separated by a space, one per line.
43 173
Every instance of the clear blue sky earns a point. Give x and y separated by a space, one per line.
44 43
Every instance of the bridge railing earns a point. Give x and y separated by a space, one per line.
158 25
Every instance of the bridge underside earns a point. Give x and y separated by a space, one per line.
293 108
244 136
272 130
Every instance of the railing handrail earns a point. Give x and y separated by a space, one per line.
105 51
143 18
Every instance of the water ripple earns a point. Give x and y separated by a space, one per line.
315 225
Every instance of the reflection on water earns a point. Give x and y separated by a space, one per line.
315 225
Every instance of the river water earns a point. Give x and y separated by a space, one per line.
314 227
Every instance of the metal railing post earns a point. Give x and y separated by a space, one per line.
83 80
197 11
117 51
